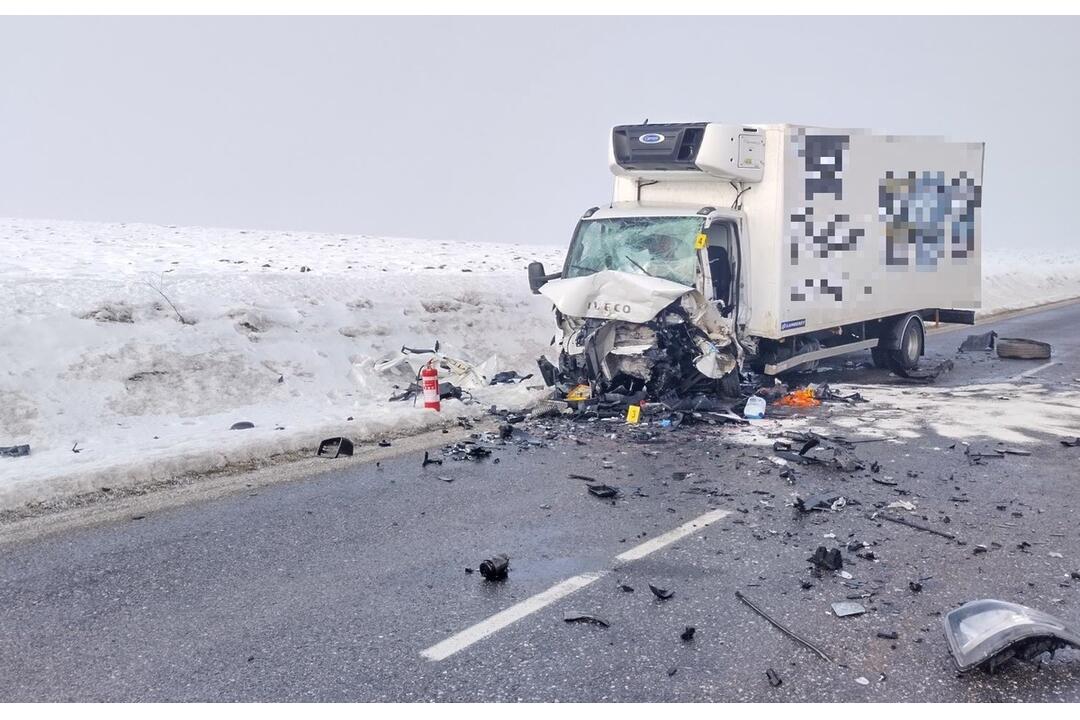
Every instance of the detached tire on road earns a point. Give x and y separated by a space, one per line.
1021 349
906 356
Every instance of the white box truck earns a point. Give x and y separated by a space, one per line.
770 245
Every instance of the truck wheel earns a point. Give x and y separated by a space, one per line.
906 357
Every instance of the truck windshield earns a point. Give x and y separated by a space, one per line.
658 246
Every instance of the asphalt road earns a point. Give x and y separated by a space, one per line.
330 588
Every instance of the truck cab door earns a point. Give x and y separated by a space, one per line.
719 257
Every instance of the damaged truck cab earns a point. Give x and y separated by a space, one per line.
767 247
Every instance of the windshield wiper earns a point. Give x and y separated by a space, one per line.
582 267
638 266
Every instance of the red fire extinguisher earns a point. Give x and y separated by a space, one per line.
429 382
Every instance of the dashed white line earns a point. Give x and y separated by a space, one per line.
650 546
479 631
1032 371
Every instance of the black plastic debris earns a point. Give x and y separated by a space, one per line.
335 447
774 679
790 633
915 525
508 376
15 451
385 443
661 593
1023 349
927 375
823 503
888 635
915 586
495 568
688 633
975 343
989 633
76 449
573 616
827 559
1071 442
467 450
242 425
626 588
601 490
428 460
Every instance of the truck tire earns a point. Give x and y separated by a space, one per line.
906 356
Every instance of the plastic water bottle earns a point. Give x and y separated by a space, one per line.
755 408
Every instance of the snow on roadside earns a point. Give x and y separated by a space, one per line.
91 353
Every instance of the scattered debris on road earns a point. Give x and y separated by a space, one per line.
774 679
914 525
987 634
975 343
688 633
888 635
601 490
926 375
242 425
1071 442
573 616
827 559
847 609
334 447
495 568
661 593
805 643
428 460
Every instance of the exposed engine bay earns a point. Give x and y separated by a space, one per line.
631 334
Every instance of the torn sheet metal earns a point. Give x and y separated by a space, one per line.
627 332
613 295
989 633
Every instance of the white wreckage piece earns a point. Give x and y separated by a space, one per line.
612 323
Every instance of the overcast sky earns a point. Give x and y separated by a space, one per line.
495 128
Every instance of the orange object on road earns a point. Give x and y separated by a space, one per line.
803 397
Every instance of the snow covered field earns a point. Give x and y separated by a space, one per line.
277 328
90 352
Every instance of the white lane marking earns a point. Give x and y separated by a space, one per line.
651 546
1032 371
512 614
479 631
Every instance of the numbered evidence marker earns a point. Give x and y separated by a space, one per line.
701 241
633 414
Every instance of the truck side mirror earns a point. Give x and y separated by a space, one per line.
537 278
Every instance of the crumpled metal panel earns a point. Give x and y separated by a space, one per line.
613 295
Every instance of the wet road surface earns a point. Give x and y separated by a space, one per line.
333 587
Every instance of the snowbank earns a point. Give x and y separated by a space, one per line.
275 327
274 323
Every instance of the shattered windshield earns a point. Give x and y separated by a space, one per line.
658 246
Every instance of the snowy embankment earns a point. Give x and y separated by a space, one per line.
279 330
91 353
